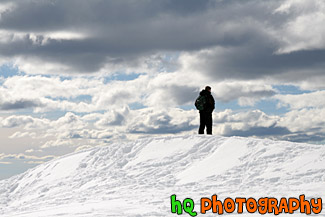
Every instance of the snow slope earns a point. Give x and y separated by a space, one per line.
137 179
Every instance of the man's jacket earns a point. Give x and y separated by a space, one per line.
209 105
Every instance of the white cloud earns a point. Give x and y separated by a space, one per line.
68 121
91 94
41 86
6 6
247 92
79 94
72 130
303 125
19 134
59 142
313 83
306 29
16 121
306 100
113 118
182 87
38 38
305 120
161 121
250 123
25 157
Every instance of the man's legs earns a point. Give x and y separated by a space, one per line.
208 123
202 122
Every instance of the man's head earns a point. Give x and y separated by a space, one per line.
208 88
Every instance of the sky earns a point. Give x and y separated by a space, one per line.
76 73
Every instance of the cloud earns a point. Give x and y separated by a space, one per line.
169 95
301 101
113 118
21 156
304 125
259 131
161 93
305 30
20 134
313 83
251 123
53 87
73 130
255 61
78 94
53 33
162 122
16 121
179 88
92 94
266 39
20 104
305 120
247 93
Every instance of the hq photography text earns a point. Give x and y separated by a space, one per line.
241 205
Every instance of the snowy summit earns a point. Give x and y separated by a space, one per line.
138 178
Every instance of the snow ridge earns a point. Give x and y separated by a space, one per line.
138 178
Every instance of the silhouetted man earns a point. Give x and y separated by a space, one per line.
206 112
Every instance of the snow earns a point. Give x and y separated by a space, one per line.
223 158
137 178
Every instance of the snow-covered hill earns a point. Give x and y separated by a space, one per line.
138 178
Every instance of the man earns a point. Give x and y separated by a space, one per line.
206 112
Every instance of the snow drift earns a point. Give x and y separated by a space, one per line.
138 178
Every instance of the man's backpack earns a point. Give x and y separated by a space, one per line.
200 102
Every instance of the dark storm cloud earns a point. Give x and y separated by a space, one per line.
244 34
258 60
119 31
20 104
57 15
84 55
